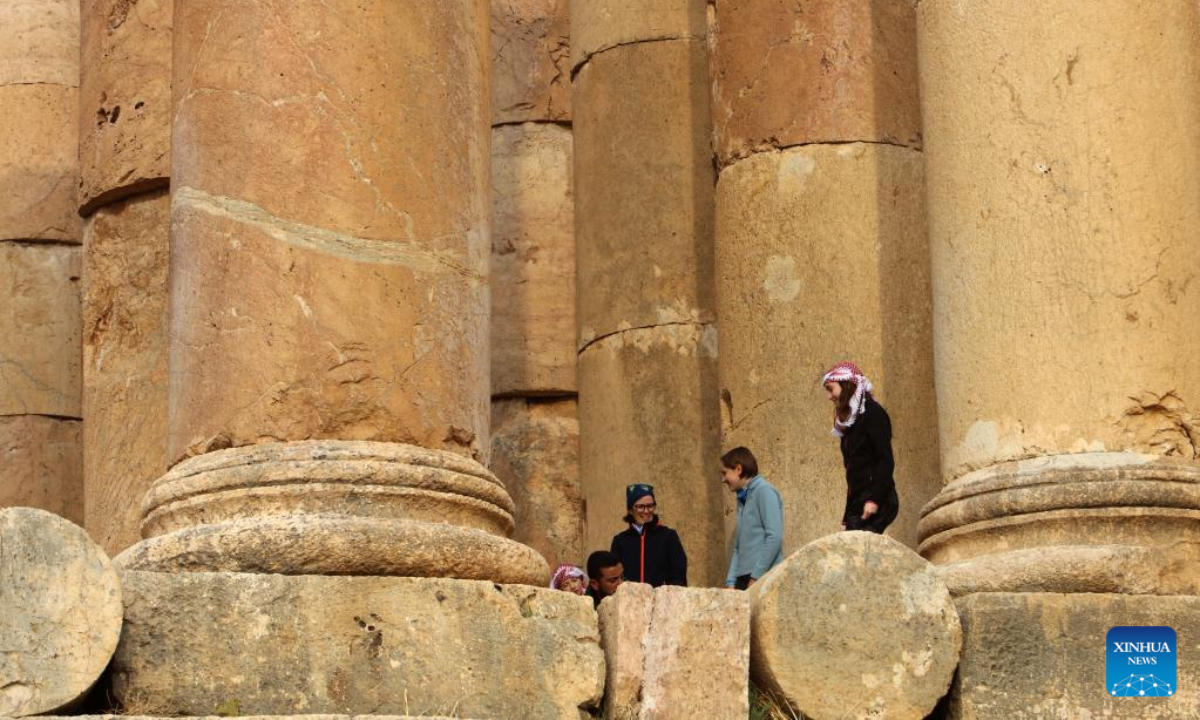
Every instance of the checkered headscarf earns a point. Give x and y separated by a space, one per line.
849 372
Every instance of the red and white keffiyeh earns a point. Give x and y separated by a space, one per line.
849 372
567 570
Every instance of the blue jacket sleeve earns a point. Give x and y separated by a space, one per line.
730 578
770 511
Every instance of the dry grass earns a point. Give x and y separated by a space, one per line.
765 706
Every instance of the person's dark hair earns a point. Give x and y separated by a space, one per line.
843 403
741 456
599 560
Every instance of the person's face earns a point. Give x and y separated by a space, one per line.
732 477
572 585
643 510
834 389
610 579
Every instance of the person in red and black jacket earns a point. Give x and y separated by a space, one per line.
651 552
865 436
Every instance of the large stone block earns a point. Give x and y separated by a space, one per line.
815 71
196 641
675 652
854 625
39 163
1060 174
40 330
644 188
533 261
124 363
531 73
62 612
1042 656
41 464
39 42
598 25
535 453
124 99
647 400
785 318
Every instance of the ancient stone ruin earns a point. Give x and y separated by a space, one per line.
328 328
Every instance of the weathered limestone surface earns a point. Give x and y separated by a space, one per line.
329 224
648 406
315 644
124 99
644 188
333 508
39 329
1034 655
41 464
531 74
533 261
1060 175
124 363
675 652
535 453
785 319
790 73
854 625
39 79
604 24
62 612
253 717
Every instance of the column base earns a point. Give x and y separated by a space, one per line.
327 507
1090 522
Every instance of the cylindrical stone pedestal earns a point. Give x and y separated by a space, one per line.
1064 194
821 245
648 342
39 257
329 253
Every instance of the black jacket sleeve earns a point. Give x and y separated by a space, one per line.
676 561
879 435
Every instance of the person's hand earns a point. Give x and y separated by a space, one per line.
843 524
751 583
869 509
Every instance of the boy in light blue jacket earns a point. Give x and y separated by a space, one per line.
758 541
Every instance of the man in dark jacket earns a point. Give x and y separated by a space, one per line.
651 552
605 575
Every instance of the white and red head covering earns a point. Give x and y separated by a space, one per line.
567 570
849 372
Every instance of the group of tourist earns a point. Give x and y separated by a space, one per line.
649 552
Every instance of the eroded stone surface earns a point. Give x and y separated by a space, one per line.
124 363
39 42
533 260
600 25
1037 655
40 464
624 627
40 329
39 162
816 71
62 612
323 644
531 75
648 399
785 319
535 453
1059 175
124 98
854 625
338 287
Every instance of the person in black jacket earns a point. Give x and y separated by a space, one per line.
865 431
650 552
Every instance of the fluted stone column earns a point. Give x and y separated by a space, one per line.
535 428
644 204
39 257
328 306
821 245
124 140
1064 189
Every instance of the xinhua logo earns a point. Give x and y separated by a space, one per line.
1141 662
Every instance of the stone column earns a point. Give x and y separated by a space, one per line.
1064 195
535 429
124 141
39 257
644 204
328 306
821 246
